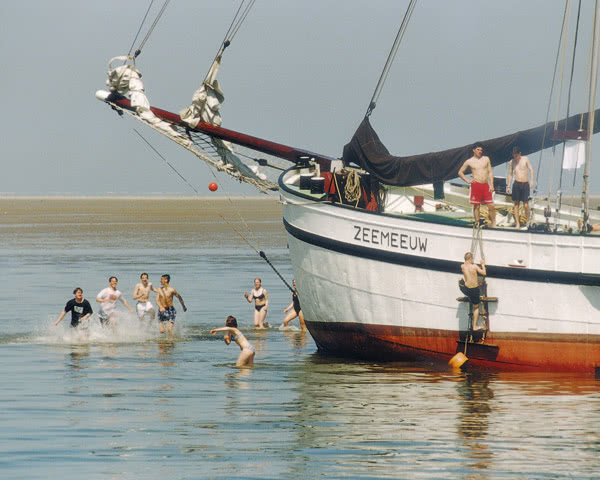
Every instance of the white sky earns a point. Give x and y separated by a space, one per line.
298 72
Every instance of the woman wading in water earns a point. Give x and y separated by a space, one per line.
261 302
235 335
294 310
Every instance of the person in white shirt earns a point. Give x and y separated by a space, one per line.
107 299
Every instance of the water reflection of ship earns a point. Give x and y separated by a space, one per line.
296 338
396 411
474 395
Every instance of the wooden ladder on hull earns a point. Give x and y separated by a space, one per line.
479 335
474 340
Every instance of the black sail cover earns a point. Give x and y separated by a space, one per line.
366 150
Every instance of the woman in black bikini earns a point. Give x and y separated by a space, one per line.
261 302
294 310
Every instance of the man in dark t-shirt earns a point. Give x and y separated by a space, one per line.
79 307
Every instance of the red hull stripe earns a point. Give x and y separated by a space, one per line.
501 351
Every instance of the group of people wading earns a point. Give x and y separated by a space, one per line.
81 310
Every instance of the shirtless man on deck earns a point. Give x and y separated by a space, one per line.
482 183
520 167
164 301
141 294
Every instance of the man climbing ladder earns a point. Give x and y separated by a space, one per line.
470 271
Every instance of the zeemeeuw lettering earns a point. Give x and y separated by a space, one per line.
385 238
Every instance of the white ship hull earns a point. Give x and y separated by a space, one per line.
383 286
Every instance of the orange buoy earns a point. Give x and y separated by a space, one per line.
458 360
213 187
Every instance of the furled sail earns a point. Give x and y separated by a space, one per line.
206 103
125 80
366 150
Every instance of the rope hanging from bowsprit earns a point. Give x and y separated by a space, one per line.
242 236
264 257
477 240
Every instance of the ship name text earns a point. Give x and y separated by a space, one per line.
386 238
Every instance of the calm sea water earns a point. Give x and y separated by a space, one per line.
134 405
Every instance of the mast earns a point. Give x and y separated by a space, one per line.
591 105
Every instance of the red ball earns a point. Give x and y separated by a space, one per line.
213 187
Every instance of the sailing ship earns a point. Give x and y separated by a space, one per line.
377 241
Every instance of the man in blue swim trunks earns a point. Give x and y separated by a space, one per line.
520 168
164 301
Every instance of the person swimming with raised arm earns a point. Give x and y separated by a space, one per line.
261 303
246 357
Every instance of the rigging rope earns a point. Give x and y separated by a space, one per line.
152 27
591 106
198 193
260 253
391 56
166 161
140 29
562 30
570 89
236 23
562 49
477 240
150 30
233 29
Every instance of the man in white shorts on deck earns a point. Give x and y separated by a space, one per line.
141 293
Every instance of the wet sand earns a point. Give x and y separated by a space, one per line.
48 210
208 219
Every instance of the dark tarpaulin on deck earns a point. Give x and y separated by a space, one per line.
366 150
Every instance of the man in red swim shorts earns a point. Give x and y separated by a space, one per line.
482 183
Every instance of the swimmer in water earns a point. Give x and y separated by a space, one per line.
261 303
233 334
294 310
